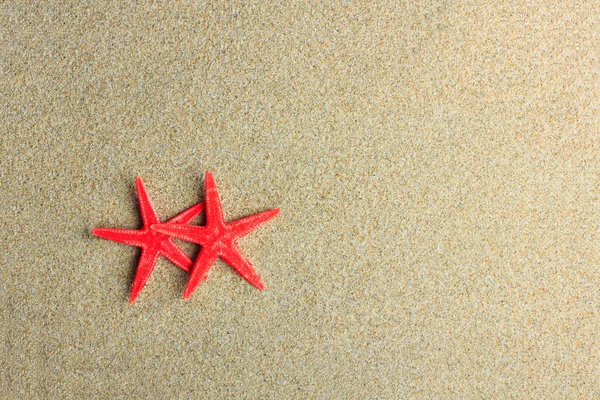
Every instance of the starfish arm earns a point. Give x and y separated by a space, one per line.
127 236
177 256
246 225
214 210
200 269
144 269
189 233
186 216
146 210
236 259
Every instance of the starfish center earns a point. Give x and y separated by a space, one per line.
221 237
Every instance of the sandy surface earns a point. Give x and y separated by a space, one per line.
437 166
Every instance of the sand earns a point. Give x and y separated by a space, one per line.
437 166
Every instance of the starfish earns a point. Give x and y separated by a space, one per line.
153 243
218 239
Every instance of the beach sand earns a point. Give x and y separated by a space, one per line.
436 165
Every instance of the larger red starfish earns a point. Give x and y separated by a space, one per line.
218 239
153 243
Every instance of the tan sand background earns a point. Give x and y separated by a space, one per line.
437 165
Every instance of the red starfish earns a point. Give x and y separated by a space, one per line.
218 239
153 244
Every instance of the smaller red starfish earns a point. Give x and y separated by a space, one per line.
218 239
153 243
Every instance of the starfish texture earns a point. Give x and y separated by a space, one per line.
218 239
153 243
